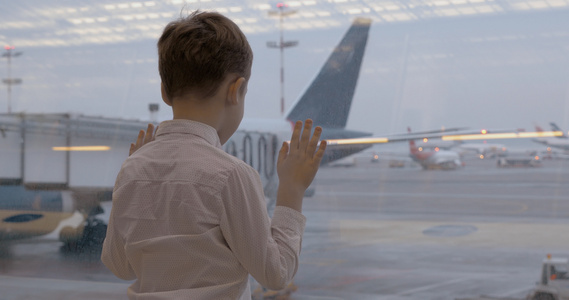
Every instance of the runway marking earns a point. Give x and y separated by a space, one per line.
352 279
510 235
437 195
323 262
427 287
523 207
27 287
516 292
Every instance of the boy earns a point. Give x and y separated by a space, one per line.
189 221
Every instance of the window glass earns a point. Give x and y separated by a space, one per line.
447 170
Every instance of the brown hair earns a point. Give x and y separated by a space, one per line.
196 52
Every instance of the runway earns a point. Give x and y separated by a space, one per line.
375 232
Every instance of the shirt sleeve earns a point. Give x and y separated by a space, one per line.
268 250
113 254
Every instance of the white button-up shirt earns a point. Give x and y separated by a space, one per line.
189 221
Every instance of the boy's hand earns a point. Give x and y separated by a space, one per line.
143 138
298 162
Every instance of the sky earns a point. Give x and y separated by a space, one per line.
428 64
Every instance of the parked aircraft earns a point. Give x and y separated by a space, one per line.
561 141
484 150
434 158
46 187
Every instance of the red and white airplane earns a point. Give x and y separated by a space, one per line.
436 158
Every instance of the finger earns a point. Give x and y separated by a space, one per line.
295 135
132 149
314 140
155 131
149 133
304 139
139 139
320 153
284 152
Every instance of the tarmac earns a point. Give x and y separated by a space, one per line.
374 232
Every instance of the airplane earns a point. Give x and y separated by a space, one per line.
53 179
484 150
525 160
59 168
437 143
561 141
435 158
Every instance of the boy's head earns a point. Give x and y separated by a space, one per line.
195 53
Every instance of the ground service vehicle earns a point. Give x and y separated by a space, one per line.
554 281
552 285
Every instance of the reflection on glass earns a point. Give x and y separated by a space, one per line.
381 222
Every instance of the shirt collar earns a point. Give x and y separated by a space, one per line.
202 130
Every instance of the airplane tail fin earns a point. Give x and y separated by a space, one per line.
328 99
554 127
412 147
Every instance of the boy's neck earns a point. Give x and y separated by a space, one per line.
207 112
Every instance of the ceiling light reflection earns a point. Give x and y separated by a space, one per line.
559 3
538 4
263 7
357 141
460 137
323 13
506 135
486 9
82 148
115 14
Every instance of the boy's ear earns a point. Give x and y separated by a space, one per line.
235 88
164 95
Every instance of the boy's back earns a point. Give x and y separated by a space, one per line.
194 219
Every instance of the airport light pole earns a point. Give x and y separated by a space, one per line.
10 81
153 109
281 13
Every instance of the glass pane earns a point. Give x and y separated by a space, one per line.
446 174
